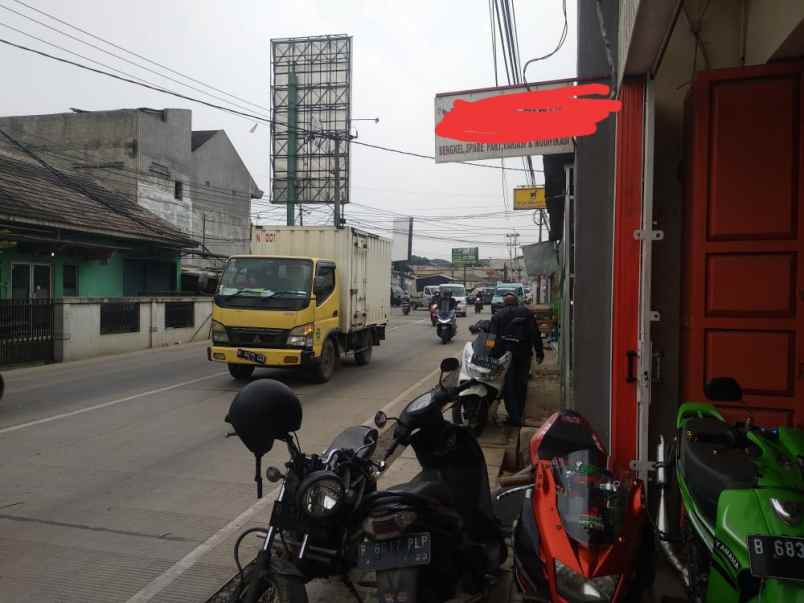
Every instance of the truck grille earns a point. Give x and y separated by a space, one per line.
257 338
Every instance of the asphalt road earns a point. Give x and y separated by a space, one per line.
117 480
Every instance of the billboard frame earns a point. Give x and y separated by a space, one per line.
311 112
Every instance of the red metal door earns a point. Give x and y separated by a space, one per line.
625 302
743 294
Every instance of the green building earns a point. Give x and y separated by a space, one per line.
63 235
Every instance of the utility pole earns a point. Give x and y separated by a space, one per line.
410 239
292 144
337 215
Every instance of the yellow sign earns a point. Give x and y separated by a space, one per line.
529 197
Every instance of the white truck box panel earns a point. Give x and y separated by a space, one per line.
363 263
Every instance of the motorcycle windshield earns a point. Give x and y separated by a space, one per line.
591 502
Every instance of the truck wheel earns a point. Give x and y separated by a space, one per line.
241 372
364 357
326 364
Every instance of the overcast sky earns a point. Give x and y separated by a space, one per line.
405 51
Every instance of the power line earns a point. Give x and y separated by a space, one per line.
231 110
116 56
144 58
561 40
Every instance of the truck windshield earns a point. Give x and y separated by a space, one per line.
281 283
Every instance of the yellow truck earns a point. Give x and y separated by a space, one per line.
303 298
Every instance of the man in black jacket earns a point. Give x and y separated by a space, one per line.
514 329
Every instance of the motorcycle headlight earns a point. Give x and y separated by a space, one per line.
219 335
301 336
575 587
320 494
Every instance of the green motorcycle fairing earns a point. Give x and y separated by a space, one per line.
744 512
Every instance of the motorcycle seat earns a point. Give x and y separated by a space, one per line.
711 462
426 485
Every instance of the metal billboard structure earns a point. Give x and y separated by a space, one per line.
311 104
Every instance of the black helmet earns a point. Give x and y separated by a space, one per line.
263 411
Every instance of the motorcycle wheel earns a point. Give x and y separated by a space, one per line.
699 563
261 585
472 412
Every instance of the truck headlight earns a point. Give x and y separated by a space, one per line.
575 587
301 336
219 335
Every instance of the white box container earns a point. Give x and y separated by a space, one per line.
362 260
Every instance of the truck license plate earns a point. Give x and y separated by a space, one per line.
408 551
251 356
776 557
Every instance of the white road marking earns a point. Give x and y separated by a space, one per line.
81 411
159 584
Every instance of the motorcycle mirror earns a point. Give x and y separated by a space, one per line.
380 419
450 364
273 474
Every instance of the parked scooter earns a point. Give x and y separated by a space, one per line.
315 514
478 304
405 305
481 379
742 492
582 533
436 534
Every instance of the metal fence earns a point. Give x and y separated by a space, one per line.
179 315
26 330
119 317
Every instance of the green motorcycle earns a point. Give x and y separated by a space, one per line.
742 492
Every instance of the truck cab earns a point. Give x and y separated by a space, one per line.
284 311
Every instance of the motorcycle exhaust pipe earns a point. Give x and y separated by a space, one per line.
663 522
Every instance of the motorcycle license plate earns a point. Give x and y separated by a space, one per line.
251 356
408 551
776 557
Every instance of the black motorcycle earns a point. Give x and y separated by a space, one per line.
309 534
436 534
446 323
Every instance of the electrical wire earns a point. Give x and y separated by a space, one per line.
562 39
117 56
234 111
139 56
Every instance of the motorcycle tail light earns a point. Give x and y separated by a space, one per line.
390 526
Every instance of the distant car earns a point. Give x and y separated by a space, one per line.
503 289
459 294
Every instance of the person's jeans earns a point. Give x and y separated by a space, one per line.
515 390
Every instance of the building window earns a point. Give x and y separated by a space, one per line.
178 190
117 317
30 281
70 281
179 315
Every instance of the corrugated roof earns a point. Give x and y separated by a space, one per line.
30 192
199 137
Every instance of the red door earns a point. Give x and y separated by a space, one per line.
743 281
625 301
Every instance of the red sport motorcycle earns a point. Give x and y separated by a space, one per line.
583 533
